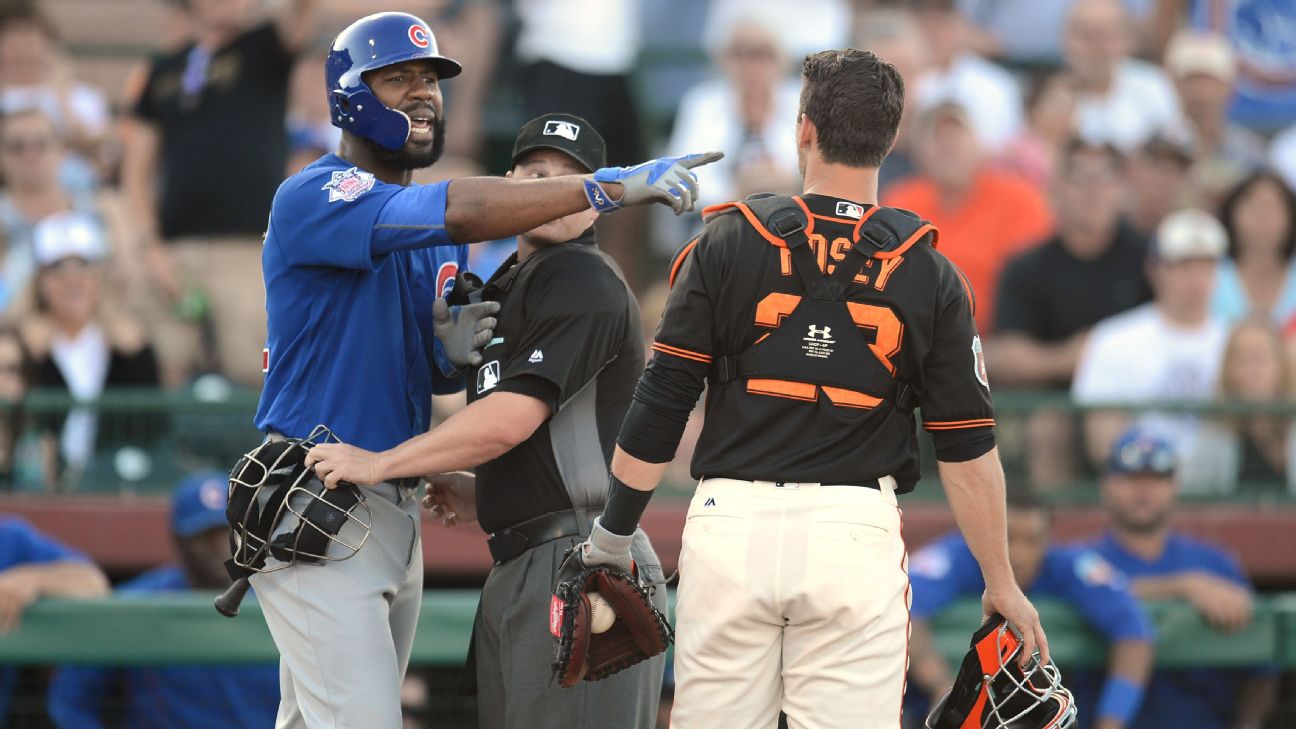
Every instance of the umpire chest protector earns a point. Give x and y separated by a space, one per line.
820 337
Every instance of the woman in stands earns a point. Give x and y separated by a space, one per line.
1259 275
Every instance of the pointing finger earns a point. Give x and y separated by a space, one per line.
704 158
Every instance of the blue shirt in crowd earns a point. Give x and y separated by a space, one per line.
352 265
1202 698
20 544
165 697
946 571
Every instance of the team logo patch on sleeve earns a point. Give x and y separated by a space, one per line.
978 362
347 185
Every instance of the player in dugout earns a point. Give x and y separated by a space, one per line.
944 571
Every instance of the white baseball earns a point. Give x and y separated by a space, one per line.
601 613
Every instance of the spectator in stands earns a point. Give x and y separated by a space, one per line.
1050 125
1166 350
1139 494
1259 275
83 343
35 74
894 35
807 26
1046 305
206 151
20 463
1122 100
1247 452
945 571
989 93
1260 32
174 697
1204 67
750 113
33 566
1160 181
984 215
311 133
1029 32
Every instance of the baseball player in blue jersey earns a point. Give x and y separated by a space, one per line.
945 571
355 259
1139 493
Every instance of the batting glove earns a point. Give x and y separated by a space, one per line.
666 180
464 330
604 547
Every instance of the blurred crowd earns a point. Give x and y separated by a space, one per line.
1115 177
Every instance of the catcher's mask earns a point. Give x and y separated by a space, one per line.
279 508
993 691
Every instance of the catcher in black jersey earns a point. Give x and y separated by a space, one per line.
819 323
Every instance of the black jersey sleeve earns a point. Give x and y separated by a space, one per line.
1017 307
676 374
577 315
956 405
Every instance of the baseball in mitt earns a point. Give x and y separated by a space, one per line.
638 632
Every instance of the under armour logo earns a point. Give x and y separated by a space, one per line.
820 332
709 502
563 129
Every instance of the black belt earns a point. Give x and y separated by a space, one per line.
874 484
510 542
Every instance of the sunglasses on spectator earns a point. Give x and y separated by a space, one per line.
745 52
33 144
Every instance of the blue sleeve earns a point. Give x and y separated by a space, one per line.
1101 594
24 545
76 697
940 573
348 219
414 217
1221 563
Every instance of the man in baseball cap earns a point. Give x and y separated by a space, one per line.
152 697
1140 495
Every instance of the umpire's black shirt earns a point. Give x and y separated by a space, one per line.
569 334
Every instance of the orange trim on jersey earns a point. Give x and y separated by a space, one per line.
967 289
679 260
851 398
751 218
682 353
909 242
855 232
959 424
783 388
810 217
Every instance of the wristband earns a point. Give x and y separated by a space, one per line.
599 199
1120 700
624 507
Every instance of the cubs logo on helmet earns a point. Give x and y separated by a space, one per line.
370 43
993 691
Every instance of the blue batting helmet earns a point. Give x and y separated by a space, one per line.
375 41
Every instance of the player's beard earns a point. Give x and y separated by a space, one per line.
406 158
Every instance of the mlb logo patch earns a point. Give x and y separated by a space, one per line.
488 376
563 129
347 185
849 210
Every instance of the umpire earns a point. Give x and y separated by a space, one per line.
544 409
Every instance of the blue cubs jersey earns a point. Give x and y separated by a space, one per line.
153 697
945 570
1203 698
352 265
20 544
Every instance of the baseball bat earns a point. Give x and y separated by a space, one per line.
227 603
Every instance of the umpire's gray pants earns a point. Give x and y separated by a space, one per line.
344 629
515 652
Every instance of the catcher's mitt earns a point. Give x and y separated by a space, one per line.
638 633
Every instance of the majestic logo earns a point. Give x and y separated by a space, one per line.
418 35
536 357
446 278
818 341
709 502
488 376
849 210
978 364
347 185
563 129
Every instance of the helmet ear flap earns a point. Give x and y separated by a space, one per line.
361 113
